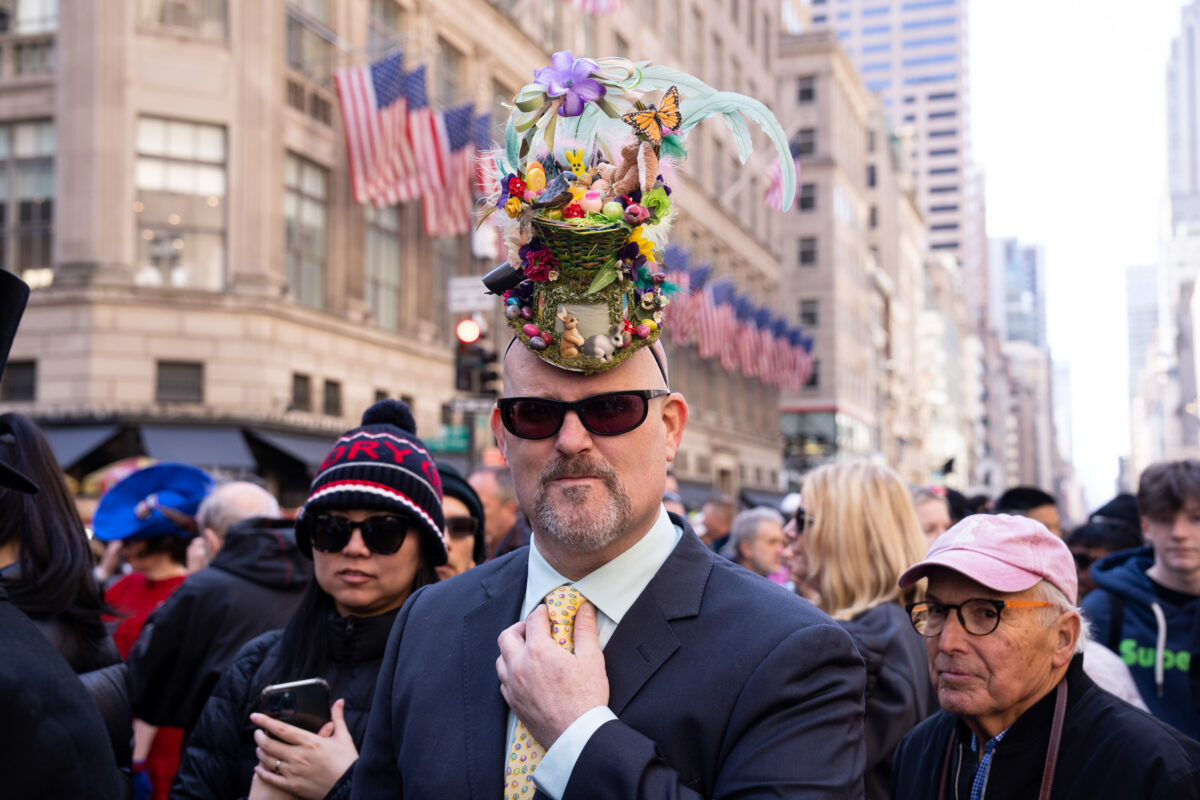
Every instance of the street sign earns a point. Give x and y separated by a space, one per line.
471 405
468 294
450 439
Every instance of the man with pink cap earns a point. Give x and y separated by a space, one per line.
1019 717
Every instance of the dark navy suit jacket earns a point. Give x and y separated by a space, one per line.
724 685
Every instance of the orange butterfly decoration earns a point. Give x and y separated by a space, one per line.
649 124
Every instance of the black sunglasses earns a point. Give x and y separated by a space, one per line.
330 533
608 414
461 526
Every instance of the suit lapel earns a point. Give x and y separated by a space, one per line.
644 640
486 713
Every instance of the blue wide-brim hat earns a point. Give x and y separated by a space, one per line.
134 508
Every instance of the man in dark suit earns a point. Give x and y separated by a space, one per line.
691 677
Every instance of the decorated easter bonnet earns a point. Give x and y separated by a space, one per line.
584 200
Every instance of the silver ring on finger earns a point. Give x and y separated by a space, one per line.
276 768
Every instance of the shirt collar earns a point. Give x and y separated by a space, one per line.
614 587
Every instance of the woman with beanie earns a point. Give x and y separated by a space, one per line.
860 532
465 537
373 527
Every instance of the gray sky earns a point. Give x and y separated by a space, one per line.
1069 125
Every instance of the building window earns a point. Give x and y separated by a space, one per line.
919 24
944 171
936 96
717 166
870 176
942 209
805 142
876 29
944 246
451 73
808 197
29 17
809 315
19 384
947 151
385 26
923 61
180 208
381 394
879 85
814 375
333 399
179 382
806 89
306 189
944 133
27 196
877 11
943 114
928 41
808 250
877 47
301 392
944 77
310 42
873 217
207 19
383 250
948 226
943 189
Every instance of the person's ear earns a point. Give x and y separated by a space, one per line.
675 417
497 427
1066 633
213 541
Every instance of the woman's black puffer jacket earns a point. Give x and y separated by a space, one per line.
218 763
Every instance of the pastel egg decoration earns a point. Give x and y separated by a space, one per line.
535 177
512 311
613 211
642 331
537 342
531 330
592 202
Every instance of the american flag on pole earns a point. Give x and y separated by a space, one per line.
726 299
597 7
773 196
709 322
448 212
426 135
374 114
747 338
766 346
783 352
686 323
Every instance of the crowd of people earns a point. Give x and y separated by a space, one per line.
559 628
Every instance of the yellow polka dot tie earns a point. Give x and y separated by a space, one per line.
525 753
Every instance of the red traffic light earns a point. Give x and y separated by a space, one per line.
467 331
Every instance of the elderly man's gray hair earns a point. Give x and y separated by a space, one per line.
745 528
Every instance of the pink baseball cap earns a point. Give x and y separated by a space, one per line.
1004 553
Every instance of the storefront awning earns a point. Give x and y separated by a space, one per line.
757 497
205 446
74 443
309 450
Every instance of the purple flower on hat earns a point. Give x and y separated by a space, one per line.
504 195
569 78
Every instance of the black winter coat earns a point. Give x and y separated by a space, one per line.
97 662
252 586
52 738
218 763
1109 749
899 692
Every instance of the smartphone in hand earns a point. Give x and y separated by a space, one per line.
304 704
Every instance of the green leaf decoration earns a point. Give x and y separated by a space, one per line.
604 276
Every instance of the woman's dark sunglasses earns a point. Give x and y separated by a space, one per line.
608 414
461 526
330 533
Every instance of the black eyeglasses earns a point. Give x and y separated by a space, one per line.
461 526
978 617
608 414
330 533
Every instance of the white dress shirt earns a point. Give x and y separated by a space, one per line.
612 589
